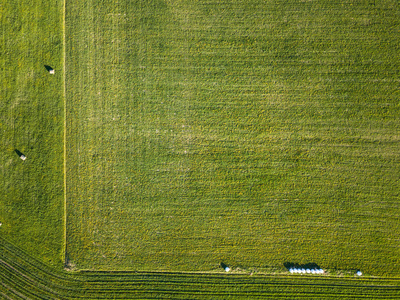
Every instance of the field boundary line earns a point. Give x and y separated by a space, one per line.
65 141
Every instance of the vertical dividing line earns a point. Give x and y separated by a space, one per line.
65 143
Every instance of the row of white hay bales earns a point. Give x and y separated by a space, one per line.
306 271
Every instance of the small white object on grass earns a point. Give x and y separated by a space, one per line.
1 223
23 157
359 273
51 71
227 269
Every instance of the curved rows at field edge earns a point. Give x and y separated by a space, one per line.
22 276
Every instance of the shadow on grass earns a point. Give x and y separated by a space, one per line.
19 153
223 266
48 68
310 266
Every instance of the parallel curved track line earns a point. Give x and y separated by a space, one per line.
24 277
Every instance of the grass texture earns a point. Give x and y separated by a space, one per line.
252 133
257 134
23 277
31 122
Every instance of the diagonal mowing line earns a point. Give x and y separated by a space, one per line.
65 140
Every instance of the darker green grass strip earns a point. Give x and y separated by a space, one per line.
31 119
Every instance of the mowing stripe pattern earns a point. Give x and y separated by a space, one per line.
248 132
253 133
22 276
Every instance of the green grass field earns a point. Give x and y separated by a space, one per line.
31 121
22 277
181 135
249 133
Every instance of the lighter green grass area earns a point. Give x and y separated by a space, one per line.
252 133
31 121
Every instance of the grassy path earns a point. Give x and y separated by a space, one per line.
64 138
22 276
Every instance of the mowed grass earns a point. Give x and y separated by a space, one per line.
252 133
31 121
31 279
